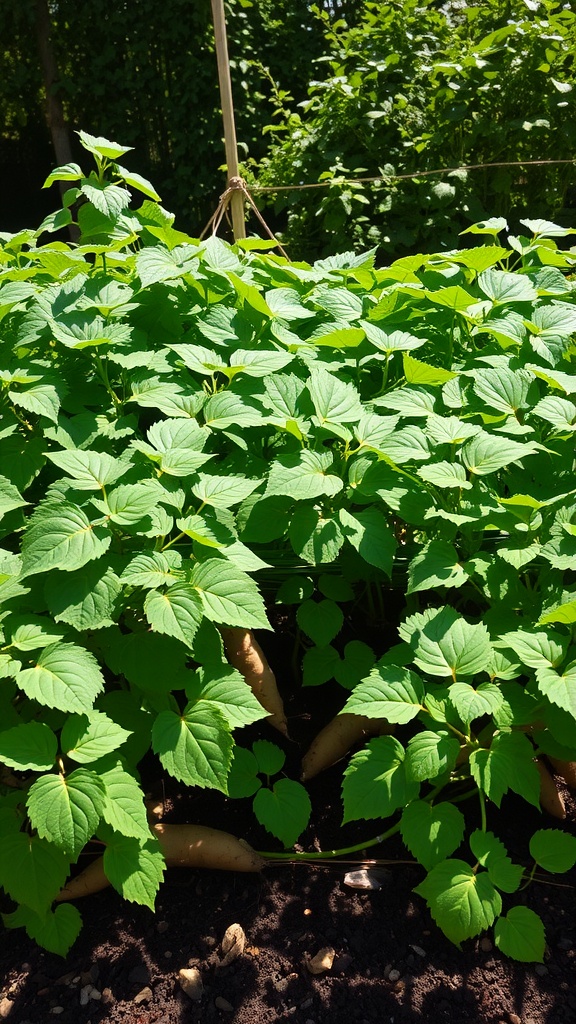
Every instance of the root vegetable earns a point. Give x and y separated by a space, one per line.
550 799
336 739
566 770
186 846
245 654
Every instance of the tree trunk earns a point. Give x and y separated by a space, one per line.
54 109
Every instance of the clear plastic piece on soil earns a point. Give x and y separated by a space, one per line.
365 879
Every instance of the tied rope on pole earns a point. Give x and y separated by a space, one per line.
237 185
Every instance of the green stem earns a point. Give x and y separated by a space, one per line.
330 854
482 799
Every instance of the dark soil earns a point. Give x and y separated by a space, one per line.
392 965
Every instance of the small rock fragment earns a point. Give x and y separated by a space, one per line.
541 970
514 1018
56 1010
108 997
85 993
322 961
393 975
5 1007
232 944
418 950
486 945
223 1004
144 996
162 927
95 995
191 983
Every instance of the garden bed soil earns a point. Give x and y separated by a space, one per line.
392 965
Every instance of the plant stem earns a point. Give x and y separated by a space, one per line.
482 799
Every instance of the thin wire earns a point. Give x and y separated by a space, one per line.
387 178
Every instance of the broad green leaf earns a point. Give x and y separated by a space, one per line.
269 757
223 491
127 504
520 935
228 595
177 612
472 703
227 688
227 409
368 531
42 400
283 810
559 687
397 341
553 850
91 471
501 388
463 903
303 476
86 738
375 783
211 529
66 810
558 411
32 871
61 537
153 569
319 664
243 778
430 754
134 868
30 746
196 746
124 809
86 598
508 764
334 400
436 565
448 645
101 147
417 372
487 453
503 287
317 538
10 497
445 474
493 856
389 692
320 620
55 930
537 649
432 831
29 632
565 613
65 676
409 444
355 663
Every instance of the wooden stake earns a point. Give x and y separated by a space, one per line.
230 144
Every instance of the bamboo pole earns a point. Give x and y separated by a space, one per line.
230 143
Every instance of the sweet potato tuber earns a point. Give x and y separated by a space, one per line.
185 846
565 769
245 654
336 739
550 799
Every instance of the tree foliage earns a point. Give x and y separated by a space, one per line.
416 86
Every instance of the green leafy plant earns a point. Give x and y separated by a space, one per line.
283 808
187 427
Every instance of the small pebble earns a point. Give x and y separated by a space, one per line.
57 1009
162 927
144 995
95 994
418 950
393 975
108 997
485 945
168 955
514 1018
5 1007
85 993
191 983
541 970
322 961
223 1004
